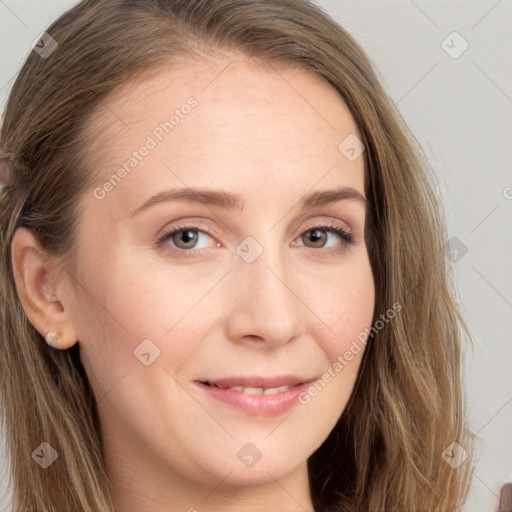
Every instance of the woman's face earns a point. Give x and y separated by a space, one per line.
249 294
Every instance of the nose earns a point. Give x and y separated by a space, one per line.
267 307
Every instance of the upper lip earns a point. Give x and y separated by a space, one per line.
258 381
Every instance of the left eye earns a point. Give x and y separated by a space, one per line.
187 238
317 234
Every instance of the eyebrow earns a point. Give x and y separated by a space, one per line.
231 201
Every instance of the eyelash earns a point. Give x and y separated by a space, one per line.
330 227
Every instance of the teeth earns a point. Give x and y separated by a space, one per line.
260 391
255 391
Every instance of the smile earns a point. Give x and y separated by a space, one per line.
254 391
256 396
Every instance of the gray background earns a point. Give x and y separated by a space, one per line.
460 109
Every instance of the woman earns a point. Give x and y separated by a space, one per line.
192 360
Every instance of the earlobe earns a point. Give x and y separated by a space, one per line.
40 289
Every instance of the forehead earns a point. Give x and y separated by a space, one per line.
246 114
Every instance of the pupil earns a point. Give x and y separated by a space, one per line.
188 236
315 235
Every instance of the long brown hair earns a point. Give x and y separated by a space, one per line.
386 452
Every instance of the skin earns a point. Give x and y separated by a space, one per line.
270 135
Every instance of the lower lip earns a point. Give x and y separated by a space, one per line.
257 405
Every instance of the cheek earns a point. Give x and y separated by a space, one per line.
140 311
345 307
130 319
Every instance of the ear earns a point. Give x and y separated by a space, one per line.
40 282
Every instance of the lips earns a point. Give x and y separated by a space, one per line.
262 396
